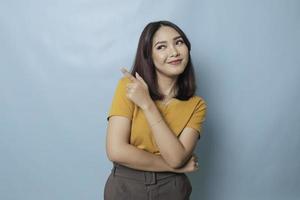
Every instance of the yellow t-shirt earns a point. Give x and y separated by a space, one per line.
178 114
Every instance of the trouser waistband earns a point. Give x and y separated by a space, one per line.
147 177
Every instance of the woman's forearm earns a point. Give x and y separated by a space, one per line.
169 146
130 156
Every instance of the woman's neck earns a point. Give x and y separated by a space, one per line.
167 86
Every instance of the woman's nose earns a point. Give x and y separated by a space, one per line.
174 51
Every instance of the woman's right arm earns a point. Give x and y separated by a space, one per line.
119 150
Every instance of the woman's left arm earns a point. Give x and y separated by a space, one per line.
175 151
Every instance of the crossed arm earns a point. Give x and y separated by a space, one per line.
119 149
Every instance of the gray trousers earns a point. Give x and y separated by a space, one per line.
129 184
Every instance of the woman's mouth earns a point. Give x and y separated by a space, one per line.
175 62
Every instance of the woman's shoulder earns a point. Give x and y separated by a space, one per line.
197 99
121 84
197 102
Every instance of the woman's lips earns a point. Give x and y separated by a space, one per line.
175 62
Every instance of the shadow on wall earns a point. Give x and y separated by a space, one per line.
206 155
203 187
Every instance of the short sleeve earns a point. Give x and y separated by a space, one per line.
198 116
121 105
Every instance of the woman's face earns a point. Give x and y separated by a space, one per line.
169 52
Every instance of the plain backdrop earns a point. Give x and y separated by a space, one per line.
59 66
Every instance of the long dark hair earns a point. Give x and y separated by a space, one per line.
144 65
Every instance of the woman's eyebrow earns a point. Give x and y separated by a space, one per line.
175 38
159 42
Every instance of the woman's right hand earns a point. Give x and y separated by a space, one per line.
190 166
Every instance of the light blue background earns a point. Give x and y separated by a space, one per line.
59 65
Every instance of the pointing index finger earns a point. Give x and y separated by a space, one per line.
127 74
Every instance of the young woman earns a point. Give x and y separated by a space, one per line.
155 120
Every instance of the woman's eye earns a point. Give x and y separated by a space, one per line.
179 42
161 47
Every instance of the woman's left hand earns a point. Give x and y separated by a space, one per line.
137 90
